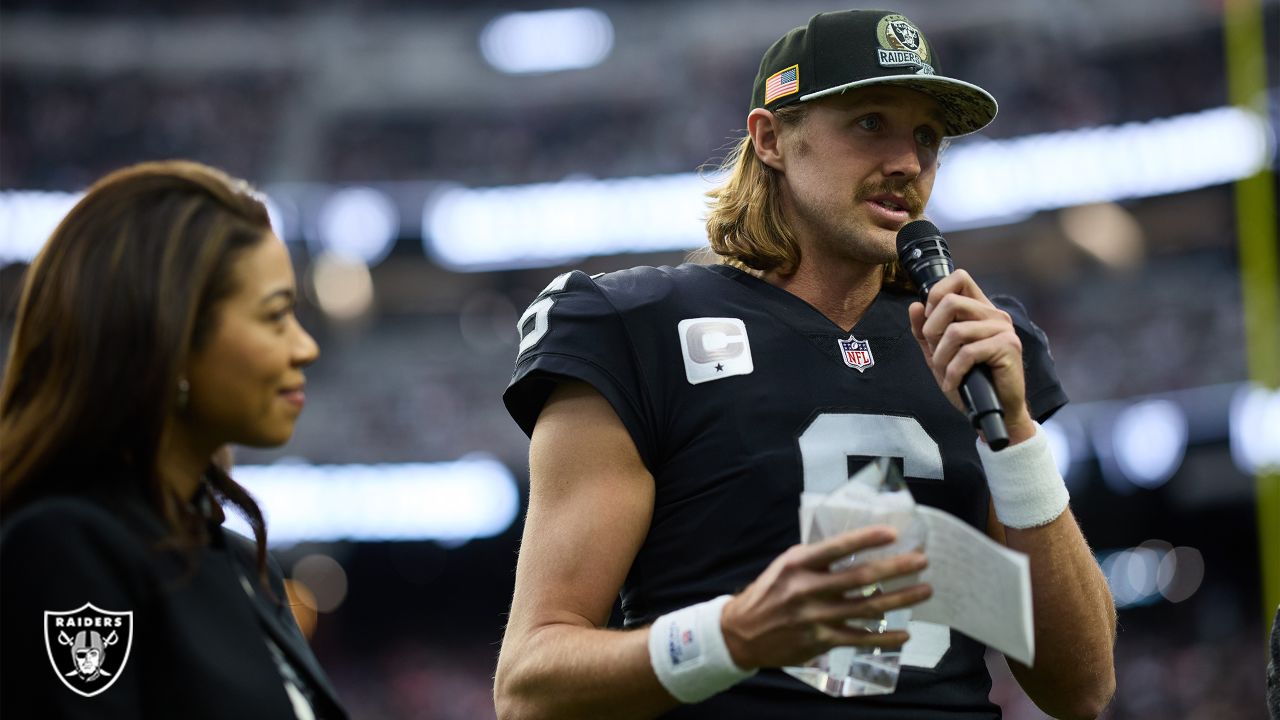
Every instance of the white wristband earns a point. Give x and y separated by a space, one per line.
688 654
1026 487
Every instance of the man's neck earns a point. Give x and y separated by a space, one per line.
842 291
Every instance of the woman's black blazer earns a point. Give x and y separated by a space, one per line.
198 644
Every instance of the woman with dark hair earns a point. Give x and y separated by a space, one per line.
155 327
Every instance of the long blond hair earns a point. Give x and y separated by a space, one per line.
746 227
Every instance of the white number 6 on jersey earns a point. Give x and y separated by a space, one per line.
540 313
832 438
825 447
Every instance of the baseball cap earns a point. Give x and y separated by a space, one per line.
838 51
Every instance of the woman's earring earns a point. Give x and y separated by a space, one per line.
184 393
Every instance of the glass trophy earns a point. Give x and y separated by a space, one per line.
875 495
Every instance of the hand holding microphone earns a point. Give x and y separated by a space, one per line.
923 253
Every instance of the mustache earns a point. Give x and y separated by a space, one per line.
909 193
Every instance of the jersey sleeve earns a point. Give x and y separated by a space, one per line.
570 332
1045 394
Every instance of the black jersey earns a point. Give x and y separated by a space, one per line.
739 396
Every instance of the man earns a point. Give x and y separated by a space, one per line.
674 412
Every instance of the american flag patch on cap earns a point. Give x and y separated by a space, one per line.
782 83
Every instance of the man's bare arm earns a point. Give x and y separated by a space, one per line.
1074 671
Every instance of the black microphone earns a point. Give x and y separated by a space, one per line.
924 255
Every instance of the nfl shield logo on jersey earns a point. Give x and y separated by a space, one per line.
856 353
88 647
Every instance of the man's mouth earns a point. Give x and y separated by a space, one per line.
894 197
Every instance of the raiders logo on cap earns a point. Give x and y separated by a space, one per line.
902 44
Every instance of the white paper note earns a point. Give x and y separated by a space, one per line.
980 587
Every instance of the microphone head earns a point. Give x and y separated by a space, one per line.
924 254
915 230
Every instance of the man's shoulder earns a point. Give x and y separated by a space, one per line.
581 313
647 286
603 329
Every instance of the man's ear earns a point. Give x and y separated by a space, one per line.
765 130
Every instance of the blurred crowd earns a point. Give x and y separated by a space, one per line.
62 129
63 133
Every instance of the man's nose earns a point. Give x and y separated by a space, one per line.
901 157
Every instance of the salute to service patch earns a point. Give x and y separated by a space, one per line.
902 44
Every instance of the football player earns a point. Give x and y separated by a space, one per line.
677 414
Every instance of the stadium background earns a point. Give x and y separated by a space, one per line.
429 185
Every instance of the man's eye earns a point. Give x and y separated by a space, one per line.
927 137
870 122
